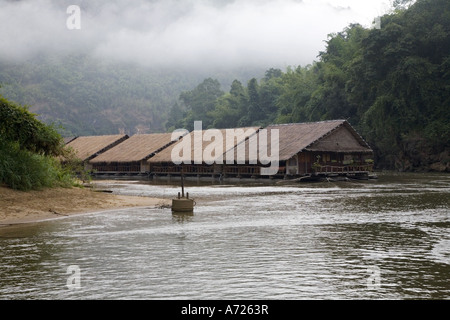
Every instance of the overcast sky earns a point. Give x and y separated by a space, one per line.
266 33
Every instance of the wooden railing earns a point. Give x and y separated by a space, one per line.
345 168
199 169
188 169
117 168
241 170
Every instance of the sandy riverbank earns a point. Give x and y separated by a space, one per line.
22 207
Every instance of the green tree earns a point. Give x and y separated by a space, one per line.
231 107
298 86
19 125
175 118
270 89
255 112
401 82
27 151
392 84
200 102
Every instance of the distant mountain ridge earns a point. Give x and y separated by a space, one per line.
390 82
90 97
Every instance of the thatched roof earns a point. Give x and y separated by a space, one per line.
324 136
90 146
68 139
343 139
239 135
137 148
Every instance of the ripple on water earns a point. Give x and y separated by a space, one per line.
317 241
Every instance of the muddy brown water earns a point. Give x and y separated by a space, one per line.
380 239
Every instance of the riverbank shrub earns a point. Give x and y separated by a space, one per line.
29 151
25 170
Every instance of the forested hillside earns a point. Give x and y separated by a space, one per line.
392 83
86 96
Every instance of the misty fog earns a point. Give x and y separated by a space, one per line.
181 33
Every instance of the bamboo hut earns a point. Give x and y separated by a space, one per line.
326 147
131 155
201 152
88 147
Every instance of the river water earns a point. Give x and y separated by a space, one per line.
379 239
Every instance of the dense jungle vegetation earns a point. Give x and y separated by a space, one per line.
391 83
29 150
90 97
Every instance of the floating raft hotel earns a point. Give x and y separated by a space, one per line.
162 164
306 150
87 148
131 155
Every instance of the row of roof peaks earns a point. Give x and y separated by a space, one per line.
157 147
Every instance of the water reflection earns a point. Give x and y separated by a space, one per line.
314 241
182 217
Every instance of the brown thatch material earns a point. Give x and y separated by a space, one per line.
342 139
137 148
68 139
165 156
90 146
332 136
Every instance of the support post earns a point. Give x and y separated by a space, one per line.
182 183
